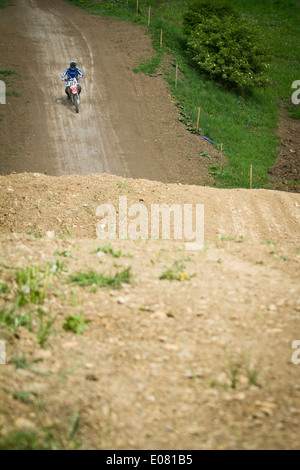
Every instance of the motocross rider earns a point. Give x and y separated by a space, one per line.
72 72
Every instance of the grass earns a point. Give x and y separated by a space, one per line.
150 67
5 3
26 295
93 278
108 249
20 362
244 123
37 321
65 253
24 397
76 323
45 438
175 273
8 73
4 289
32 285
13 93
22 440
12 319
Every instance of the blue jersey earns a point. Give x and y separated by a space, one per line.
72 73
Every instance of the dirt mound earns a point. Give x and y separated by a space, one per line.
192 351
36 203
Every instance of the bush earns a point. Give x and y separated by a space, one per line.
228 48
202 10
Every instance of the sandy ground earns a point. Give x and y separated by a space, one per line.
203 361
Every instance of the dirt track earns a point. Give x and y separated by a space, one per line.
204 363
127 124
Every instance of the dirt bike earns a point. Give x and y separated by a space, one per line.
73 92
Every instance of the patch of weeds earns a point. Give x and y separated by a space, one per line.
284 258
149 67
175 273
233 372
13 93
65 254
7 73
37 322
4 289
24 397
20 362
269 242
37 235
32 285
45 322
57 266
240 370
227 239
108 249
30 440
93 278
122 186
13 319
253 376
66 233
76 323
204 154
239 239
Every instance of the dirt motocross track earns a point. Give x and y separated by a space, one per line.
203 361
127 124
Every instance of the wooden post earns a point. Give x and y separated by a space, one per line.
137 7
198 119
161 37
250 176
176 76
149 15
221 165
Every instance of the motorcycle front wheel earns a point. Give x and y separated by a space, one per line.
76 101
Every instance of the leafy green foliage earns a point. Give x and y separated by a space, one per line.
93 278
5 3
4 289
227 48
201 10
76 323
32 285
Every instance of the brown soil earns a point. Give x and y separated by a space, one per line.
203 362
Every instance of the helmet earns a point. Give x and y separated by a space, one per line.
73 64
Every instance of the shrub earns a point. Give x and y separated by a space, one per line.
202 10
229 50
